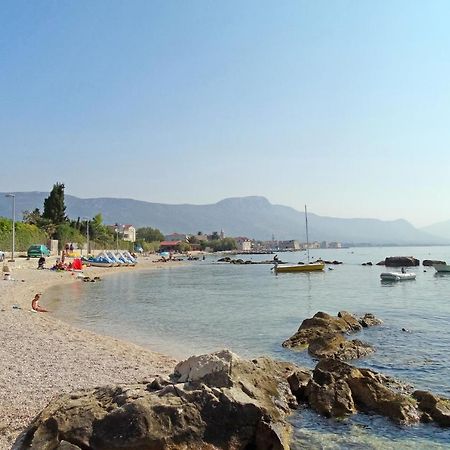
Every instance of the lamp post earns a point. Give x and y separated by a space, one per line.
13 224
87 237
117 236
87 234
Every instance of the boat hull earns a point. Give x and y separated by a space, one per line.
397 276
441 268
98 264
312 267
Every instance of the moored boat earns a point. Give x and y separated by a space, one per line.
441 268
310 267
397 276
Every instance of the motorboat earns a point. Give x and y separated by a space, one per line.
397 276
441 268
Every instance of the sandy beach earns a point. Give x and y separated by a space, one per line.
42 357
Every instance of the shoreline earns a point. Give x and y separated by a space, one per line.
43 356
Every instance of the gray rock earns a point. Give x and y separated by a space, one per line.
216 401
401 261
323 336
338 389
434 408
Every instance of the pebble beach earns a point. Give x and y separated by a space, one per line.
42 357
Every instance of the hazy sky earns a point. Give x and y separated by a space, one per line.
343 105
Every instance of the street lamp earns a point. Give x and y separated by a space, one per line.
87 233
117 236
13 224
87 236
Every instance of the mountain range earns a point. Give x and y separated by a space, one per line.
254 217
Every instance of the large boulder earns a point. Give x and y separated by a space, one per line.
338 389
215 401
323 335
319 325
337 347
434 408
401 261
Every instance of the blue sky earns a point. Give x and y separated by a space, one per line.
343 105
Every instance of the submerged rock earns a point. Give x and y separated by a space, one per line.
215 401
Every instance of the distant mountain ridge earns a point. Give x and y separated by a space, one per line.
254 217
439 229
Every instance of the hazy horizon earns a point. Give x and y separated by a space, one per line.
339 105
311 211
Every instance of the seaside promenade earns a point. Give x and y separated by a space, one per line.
42 357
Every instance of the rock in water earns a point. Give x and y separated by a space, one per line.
434 407
324 336
369 320
216 401
335 346
338 389
320 324
401 261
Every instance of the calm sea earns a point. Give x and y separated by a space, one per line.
205 306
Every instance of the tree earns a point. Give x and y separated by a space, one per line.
65 233
98 231
32 217
149 234
183 247
220 245
215 236
54 208
192 239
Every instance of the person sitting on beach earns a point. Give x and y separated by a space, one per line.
35 304
41 262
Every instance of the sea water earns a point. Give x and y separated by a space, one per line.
203 306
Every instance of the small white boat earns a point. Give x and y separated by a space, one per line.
397 276
440 268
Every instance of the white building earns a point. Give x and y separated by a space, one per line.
129 233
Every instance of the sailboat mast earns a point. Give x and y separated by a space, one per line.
307 237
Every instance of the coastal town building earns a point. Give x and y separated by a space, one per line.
290 245
129 233
169 246
334 245
244 244
126 232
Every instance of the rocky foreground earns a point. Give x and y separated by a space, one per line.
220 401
